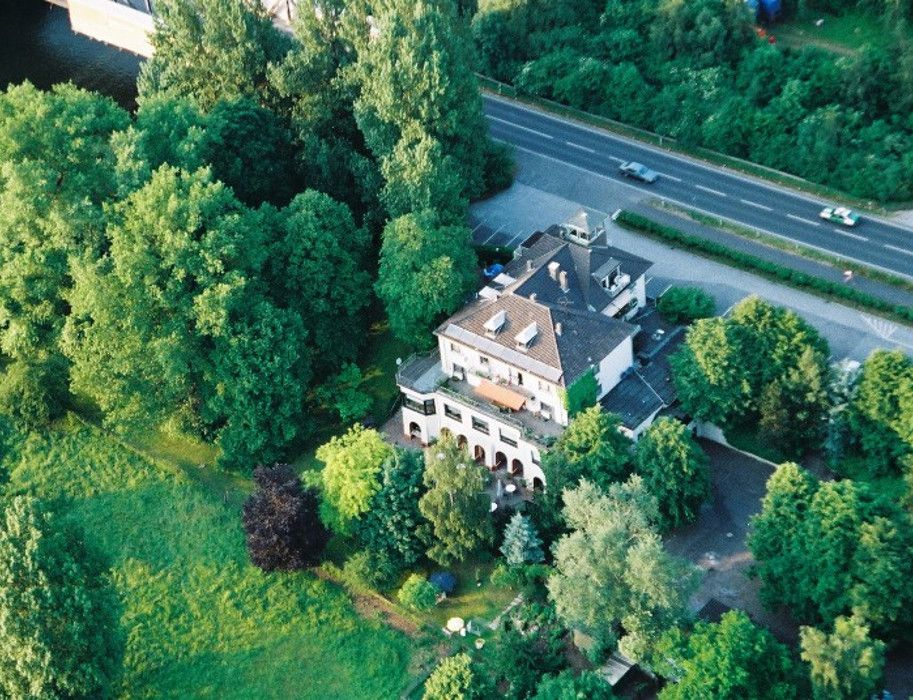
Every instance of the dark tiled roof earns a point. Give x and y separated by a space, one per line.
581 263
632 400
658 372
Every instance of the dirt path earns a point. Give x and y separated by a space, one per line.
374 606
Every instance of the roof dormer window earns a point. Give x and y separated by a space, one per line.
494 325
525 337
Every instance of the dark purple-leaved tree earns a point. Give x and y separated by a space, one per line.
280 519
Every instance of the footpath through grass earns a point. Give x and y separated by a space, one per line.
199 619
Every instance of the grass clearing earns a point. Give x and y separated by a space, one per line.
845 34
198 619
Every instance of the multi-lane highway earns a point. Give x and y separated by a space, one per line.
702 186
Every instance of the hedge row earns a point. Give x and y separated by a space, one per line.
751 263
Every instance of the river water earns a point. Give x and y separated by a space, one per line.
37 44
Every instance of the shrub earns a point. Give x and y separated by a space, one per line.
418 593
686 304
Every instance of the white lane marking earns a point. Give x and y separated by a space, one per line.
804 221
707 189
669 177
883 328
582 148
850 235
525 128
617 160
755 204
496 232
899 250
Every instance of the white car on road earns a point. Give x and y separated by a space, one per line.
840 215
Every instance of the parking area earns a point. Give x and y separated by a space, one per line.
510 217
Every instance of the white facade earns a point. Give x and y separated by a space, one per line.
489 440
614 365
544 397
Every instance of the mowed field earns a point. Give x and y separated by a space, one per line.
198 619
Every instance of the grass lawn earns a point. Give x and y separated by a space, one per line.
198 620
844 34
470 601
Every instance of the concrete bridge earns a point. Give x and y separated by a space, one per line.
128 24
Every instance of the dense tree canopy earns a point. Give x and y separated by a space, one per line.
58 615
611 571
844 664
696 71
674 470
568 686
281 521
828 549
211 51
455 503
415 77
591 448
54 182
175 322
880 411
730 660
763 363
426 271
686 304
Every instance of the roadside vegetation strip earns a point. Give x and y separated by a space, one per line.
746 167
832 291
786 246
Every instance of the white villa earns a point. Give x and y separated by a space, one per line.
558 322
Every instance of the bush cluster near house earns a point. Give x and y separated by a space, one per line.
698 72
686 304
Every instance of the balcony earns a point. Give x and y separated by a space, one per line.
421 372
531 426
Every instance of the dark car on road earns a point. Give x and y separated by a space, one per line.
638 171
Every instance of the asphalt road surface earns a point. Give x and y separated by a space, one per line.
693 184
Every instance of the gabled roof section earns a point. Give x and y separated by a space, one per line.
540 357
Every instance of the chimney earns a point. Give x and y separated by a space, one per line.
558 328
553 268
562 278
532 297
529 265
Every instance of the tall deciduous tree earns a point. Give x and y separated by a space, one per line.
879 414
710 372
58 615
317 268
351 474
568 686
281 522
54 181
414 70
455 504
211 51
611 571
828 549
729 660
844 664
674 470
393 524
174 323
426 270
591 448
